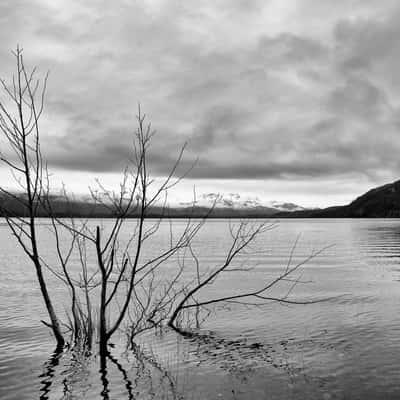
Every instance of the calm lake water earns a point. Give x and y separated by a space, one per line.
347 347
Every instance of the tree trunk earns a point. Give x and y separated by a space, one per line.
55 326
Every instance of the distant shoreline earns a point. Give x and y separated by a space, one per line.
380 202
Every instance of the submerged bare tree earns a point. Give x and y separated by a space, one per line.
242 237
19 123
106 270
111 281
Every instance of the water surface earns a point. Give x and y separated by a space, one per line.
346 347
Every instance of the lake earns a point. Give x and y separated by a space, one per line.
345 347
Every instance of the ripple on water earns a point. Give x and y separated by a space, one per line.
345 347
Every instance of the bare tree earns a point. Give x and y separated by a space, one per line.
119 270
108 274
19 123
242 237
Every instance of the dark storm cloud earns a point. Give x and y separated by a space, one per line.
261 89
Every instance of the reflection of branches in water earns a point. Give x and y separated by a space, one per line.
144 380
242 359
144 361
77 370
142 376
103 377
128 382
48 374
71 370
239 357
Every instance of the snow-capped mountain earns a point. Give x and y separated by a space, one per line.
283 206
236 201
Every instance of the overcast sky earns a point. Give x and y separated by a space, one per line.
295 100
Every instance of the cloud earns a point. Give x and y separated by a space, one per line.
263 89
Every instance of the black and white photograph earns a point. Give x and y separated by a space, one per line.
199 199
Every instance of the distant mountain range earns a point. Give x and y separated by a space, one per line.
214 205
381 202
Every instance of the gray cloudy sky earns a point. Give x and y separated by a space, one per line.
295 100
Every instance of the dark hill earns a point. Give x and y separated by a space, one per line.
381 202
